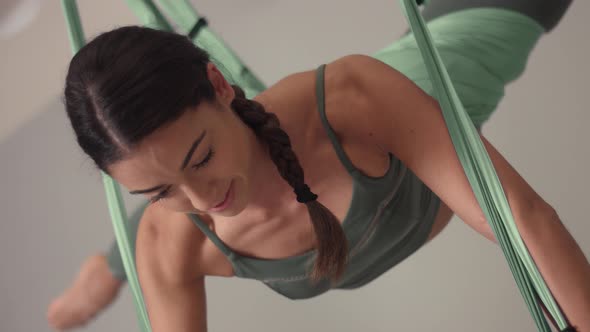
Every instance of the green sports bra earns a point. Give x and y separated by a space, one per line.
389 218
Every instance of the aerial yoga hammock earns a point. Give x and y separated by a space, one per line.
468 145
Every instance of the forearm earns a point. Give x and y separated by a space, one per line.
562 264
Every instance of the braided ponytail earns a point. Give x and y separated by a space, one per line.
332 244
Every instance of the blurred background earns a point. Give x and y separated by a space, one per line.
54 212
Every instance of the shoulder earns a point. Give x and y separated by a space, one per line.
354 86
295 95
377 104
354 89
172 286
168 247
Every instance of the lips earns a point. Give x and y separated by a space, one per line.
223 205
224 199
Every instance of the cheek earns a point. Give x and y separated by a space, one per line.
248 170
242 172
242 194
238 158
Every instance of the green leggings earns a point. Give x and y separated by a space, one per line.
483 49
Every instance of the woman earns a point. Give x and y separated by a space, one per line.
362 133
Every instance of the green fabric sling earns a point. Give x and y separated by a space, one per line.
186 17
483 178
228 62
112 188
115 202
468 145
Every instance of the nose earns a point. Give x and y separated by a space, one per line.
202 197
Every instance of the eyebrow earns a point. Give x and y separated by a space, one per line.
185 162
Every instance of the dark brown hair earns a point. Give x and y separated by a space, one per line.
128 82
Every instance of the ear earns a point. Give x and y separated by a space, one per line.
223 89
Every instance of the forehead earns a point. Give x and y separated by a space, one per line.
161 153
182 132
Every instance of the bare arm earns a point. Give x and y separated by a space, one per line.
175 299
399 116
175 307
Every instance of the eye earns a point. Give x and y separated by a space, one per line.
162 195
206 160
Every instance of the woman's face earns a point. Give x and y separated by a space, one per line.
190 165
